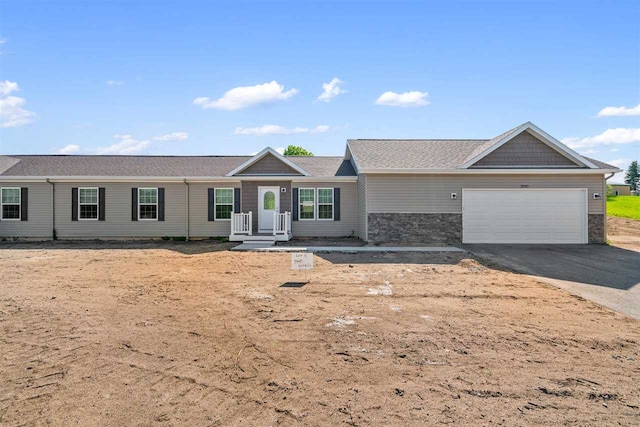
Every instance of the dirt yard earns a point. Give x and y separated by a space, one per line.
624 232
173 334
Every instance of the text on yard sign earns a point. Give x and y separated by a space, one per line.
301 261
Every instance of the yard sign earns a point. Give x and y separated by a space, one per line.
301 261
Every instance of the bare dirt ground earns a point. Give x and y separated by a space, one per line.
624 232
172 334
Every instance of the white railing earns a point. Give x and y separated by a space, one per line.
241 223
281 223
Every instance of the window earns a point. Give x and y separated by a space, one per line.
87 203
325 203
148 203
306 199
224 203
10 202
269 202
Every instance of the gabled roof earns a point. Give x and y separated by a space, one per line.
51 166
267 151
544 137
430 155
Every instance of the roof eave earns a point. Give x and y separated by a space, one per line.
523 171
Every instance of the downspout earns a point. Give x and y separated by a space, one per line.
187 206
606 223
53 210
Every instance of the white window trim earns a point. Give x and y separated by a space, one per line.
315 206
148 204
11 204
215 203
97 203
333 203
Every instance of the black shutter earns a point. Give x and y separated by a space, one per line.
211 204
134 204
101 201
74 204
295 204
160 204
236 200
24 204
336 204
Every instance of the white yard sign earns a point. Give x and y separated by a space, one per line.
301 261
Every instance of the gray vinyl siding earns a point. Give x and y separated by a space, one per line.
39 223
524 150
250 197
118 223
432 193
269 165
348 224
199 225
362 207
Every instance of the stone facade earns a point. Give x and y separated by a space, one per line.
415 227
596 228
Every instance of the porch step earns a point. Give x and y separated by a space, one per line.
250 246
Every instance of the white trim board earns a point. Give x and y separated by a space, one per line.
262 154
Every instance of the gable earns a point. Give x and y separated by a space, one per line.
269 165
525 150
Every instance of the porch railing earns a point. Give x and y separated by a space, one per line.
281 223
241 223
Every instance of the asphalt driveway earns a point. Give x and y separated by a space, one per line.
606 275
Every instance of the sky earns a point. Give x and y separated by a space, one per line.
208 78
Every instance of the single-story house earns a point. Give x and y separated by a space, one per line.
620 190
522 186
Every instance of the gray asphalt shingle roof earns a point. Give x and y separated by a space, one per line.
425 153
414 153
154 166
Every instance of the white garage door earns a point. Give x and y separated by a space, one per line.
524 216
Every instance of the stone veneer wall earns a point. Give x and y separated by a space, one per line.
442 228
596 228
415 227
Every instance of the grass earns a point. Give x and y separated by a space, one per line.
624 206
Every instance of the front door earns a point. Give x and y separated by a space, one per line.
268 201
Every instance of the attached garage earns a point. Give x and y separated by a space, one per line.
527 215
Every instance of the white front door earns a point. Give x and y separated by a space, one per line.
268 201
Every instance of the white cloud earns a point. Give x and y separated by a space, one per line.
619 111
614 150
69 149
278 130
608 137
175 136
588 152
12 114
115 82
127 144
331 90
6 87
406 99
247 96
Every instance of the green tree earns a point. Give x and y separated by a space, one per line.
295 150
632 176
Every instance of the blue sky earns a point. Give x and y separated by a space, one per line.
135 77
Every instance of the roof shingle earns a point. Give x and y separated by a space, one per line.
153 166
